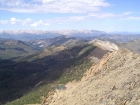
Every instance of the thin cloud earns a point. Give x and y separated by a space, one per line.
3 21
63 20
10 3
26 22
35 24
13 20
47 24
106 15
45 1
57 6
96 16
131 18
77 18
40 22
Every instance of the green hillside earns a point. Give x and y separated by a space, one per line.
46 52
37 95
31 81
15 48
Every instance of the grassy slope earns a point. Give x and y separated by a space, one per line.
36 96
58 68
11 48
47 52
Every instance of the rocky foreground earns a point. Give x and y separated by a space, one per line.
115 80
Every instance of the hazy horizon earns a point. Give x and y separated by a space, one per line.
33 30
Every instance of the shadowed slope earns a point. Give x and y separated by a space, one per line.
18 78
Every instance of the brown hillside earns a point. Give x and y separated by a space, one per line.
98 52
115 80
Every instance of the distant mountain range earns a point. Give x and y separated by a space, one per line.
38 34
27 35
60 40
10 47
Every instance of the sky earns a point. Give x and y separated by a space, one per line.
102 15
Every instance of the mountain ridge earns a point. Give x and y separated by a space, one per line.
115 80
40 34
60 67
60 40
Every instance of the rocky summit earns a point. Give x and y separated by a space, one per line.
115 80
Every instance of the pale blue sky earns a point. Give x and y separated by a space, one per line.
103 15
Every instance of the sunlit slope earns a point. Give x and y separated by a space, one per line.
115 80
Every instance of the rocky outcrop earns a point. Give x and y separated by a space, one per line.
115 80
